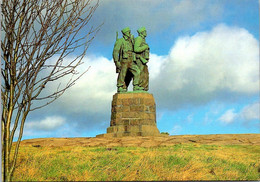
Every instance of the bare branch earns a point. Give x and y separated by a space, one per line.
38 36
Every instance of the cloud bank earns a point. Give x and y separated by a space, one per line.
222 63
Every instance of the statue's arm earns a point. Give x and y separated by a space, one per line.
137 46
116 54
116 50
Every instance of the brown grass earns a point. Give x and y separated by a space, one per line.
178 162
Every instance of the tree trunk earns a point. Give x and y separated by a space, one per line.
6 155
7 148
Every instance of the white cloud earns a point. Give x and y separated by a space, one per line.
94 91
228 117
207 66
87 104
47 124
250 112
247 114
155 65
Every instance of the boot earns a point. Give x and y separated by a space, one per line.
137 88
121 90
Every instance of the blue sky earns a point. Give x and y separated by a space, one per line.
204 69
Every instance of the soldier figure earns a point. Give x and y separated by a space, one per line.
141 49
124 58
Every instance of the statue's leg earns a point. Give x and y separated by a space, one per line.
121 76
145 77
141 68
136 80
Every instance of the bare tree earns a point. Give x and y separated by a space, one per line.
34 33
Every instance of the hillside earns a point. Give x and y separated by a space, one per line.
217 139
166 158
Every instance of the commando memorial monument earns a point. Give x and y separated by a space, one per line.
133 113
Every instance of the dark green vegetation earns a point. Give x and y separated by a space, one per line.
178 162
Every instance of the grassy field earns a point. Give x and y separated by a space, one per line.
178 162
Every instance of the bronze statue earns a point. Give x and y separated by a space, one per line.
124 58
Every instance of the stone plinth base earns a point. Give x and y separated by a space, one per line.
133 114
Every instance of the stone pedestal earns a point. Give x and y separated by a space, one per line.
133 114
